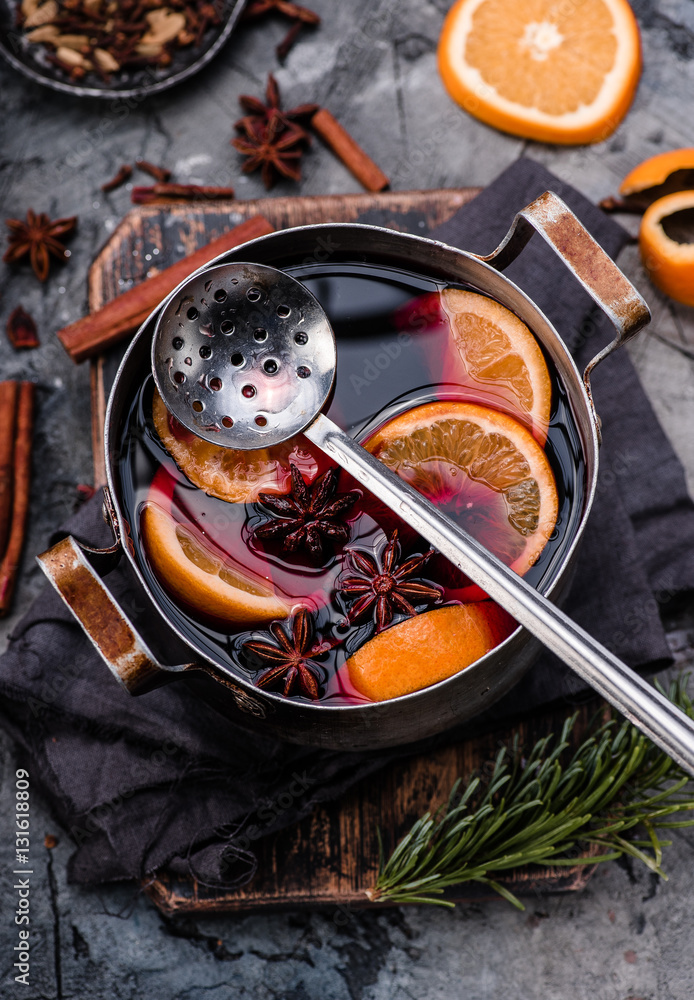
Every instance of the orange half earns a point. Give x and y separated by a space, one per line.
555 72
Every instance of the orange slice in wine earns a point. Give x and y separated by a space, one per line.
483 468
230 474
426 649
200 577
500 355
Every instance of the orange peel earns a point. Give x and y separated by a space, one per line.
670 264
559 73
656 170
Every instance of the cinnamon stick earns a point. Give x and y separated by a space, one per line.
8 420
122 316
188 192
349 151
161 174
21 472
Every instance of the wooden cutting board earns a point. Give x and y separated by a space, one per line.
331 857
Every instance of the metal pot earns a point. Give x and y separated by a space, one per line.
73 569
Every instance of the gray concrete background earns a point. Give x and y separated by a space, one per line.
628 935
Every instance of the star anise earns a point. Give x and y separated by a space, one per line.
385 586
292 666
38 238
309 513
258 113
276 154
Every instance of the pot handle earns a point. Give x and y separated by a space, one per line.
549 216
113 634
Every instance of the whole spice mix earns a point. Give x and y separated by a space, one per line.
105 36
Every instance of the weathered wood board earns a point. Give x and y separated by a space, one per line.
330 858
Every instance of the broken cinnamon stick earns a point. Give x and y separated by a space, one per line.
189 192
161 174
124 174
21 473
8 419
349 151
122 316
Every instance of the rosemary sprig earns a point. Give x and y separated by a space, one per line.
610 798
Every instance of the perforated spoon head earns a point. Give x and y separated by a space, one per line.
243 356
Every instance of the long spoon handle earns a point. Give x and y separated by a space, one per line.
639 701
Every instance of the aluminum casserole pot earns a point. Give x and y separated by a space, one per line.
74 570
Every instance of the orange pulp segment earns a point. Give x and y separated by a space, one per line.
426 649
227 473
670 264
555 72
482 467
198 576
498 350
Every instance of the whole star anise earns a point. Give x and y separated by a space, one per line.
292 666
274 151
258 113
309 513
38 238
385 586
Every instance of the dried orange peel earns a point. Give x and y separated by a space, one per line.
670 264
656 170
559 73
426 649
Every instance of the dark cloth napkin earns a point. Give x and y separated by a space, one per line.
162 780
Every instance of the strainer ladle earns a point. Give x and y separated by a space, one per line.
244 356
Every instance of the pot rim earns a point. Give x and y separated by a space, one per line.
590 444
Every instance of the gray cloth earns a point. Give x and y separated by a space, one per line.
162 780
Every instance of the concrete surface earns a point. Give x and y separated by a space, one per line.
628 935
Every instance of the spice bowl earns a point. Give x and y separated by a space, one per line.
216 672
134 82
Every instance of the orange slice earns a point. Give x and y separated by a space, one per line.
657 169
556 72
235 476
483 467
426 649
499 353
198 576
666 251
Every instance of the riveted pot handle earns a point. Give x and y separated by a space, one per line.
114 636
549 216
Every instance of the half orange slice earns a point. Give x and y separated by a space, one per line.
426 649
484 468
